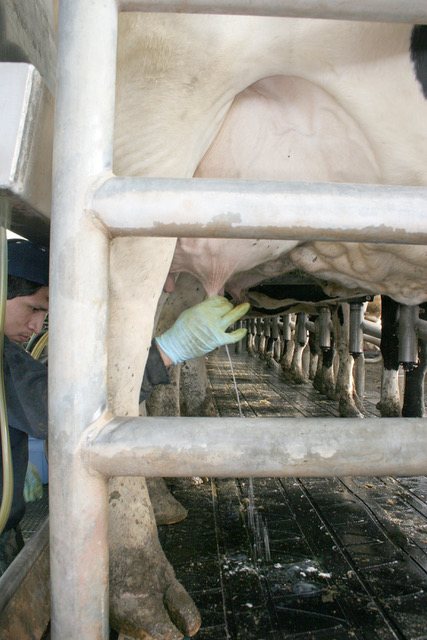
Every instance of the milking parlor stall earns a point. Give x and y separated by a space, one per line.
273 152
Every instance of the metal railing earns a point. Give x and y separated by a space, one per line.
86 444
375 11
263 209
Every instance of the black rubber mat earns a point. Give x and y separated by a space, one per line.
35 514
323 559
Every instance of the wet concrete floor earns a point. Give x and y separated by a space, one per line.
322 559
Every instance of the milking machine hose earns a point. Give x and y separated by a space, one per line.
35 348
6 501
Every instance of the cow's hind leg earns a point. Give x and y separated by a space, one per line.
167 510
146 600
344 388
413 404
188 394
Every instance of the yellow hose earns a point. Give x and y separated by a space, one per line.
37 349
6 501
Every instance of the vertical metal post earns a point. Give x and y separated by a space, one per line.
325 328
287 330
78 318
408 339
356 328
301 328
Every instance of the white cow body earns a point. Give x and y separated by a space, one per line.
334 101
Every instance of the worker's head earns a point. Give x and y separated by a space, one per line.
27 289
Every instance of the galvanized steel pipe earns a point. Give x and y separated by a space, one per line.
408 339
261 209
355 345
265 447
373 10
372 329
83 149
372 339
301 328
287 327
325 328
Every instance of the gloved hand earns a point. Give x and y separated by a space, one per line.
33 488
201 329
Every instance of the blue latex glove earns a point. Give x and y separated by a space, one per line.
33 488
202 329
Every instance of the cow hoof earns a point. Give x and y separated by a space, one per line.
358 402
272 364
167 510
317 384
349 410
388 409
146 600
297 377
329 390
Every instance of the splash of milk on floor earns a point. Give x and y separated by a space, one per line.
257 524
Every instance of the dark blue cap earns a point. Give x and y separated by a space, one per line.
28 260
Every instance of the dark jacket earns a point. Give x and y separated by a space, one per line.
25 381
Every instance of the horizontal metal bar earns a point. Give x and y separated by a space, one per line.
413 11
21 567
372 339
372 329
261 209
265 447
